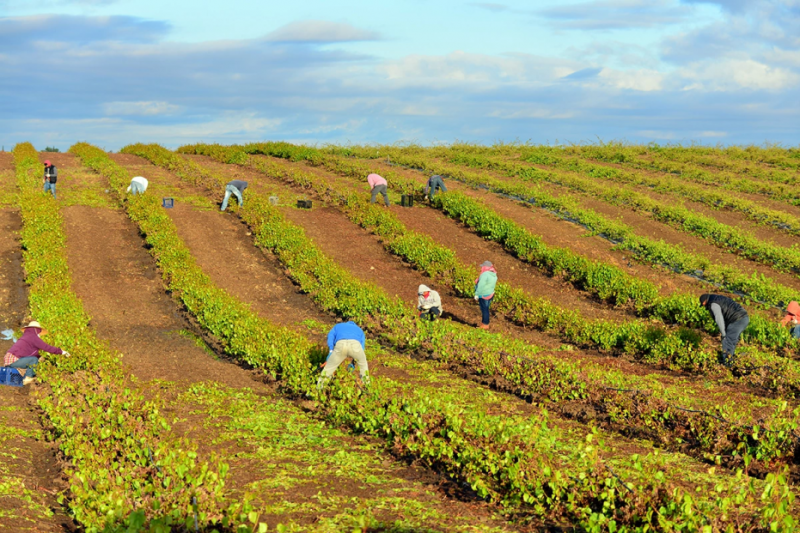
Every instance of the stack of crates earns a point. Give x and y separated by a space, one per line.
10 376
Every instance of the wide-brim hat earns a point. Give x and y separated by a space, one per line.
34 324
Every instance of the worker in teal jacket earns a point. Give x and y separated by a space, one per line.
484 291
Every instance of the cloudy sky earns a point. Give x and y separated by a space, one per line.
172 71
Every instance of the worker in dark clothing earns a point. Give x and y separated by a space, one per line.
24 354
731 319
345 340
50 177
236 188
435 183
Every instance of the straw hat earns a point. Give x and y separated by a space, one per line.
35 324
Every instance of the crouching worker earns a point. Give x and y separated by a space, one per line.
345 340
731 319
792 319
429 303
435 183
236 188
24 354
138 186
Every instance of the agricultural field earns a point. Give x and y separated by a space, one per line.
596 401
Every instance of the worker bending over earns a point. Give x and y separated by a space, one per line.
484 291
435 183
731 319
236 188
429 303
50 177
24 354
138 186
345 340
378 185
792 318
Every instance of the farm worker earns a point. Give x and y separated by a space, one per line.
484 291
435 183
429 303
345 340
236 188
791 318
138 186
731 319
24 354
378 185
50 177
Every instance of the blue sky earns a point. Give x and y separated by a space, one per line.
118 71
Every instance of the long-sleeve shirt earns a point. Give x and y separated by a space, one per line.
344 331
376 179
724 310
433 182
484 287
29 345
140 180
432 301
50 174
239 184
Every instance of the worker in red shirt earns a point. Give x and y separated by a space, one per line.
24 354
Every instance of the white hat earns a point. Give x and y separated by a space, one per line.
33 324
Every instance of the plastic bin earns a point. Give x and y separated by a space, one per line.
407 200
167 202
304 204
10 376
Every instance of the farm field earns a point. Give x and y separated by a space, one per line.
595 401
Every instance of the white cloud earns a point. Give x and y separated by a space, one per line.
320 31
737 74
147 108
713 134
646 80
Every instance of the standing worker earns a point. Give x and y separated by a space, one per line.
236 188
50 177
731 319
429 303
378 185
435 183
792 318
138 186
24 354
345 340
484 291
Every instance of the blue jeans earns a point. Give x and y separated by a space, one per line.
50 187
230 189
732 333
436 184
26 362
796 332
485 309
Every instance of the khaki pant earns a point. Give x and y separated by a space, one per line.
344 349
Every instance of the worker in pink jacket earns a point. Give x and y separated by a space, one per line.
378 185
24 354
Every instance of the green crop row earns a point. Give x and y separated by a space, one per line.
440 264
126 470
323 279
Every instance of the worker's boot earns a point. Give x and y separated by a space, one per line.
483 326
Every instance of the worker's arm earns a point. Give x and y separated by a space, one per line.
363 340
41 345
716 311
331 339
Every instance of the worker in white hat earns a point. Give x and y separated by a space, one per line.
24 354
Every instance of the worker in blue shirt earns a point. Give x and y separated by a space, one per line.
345 340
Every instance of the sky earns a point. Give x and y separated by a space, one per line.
114 72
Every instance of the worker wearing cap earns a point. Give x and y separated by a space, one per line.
429 303
236 188
378 185
24 354
484 291
50 177
345 340
138 186
435 183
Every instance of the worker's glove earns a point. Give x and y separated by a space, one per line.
66 354
426 196
477 297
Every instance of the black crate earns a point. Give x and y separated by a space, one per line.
304 204
407 200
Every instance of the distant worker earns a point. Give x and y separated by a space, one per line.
484 291
138 186
378 185
24 354
435 183
345 340
429 304
50 177
792 318
731 319
236 188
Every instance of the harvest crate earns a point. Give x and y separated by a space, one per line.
10 376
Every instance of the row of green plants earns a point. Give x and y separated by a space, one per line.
126 470
599 279
754 286
441 264
733 175
330 286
